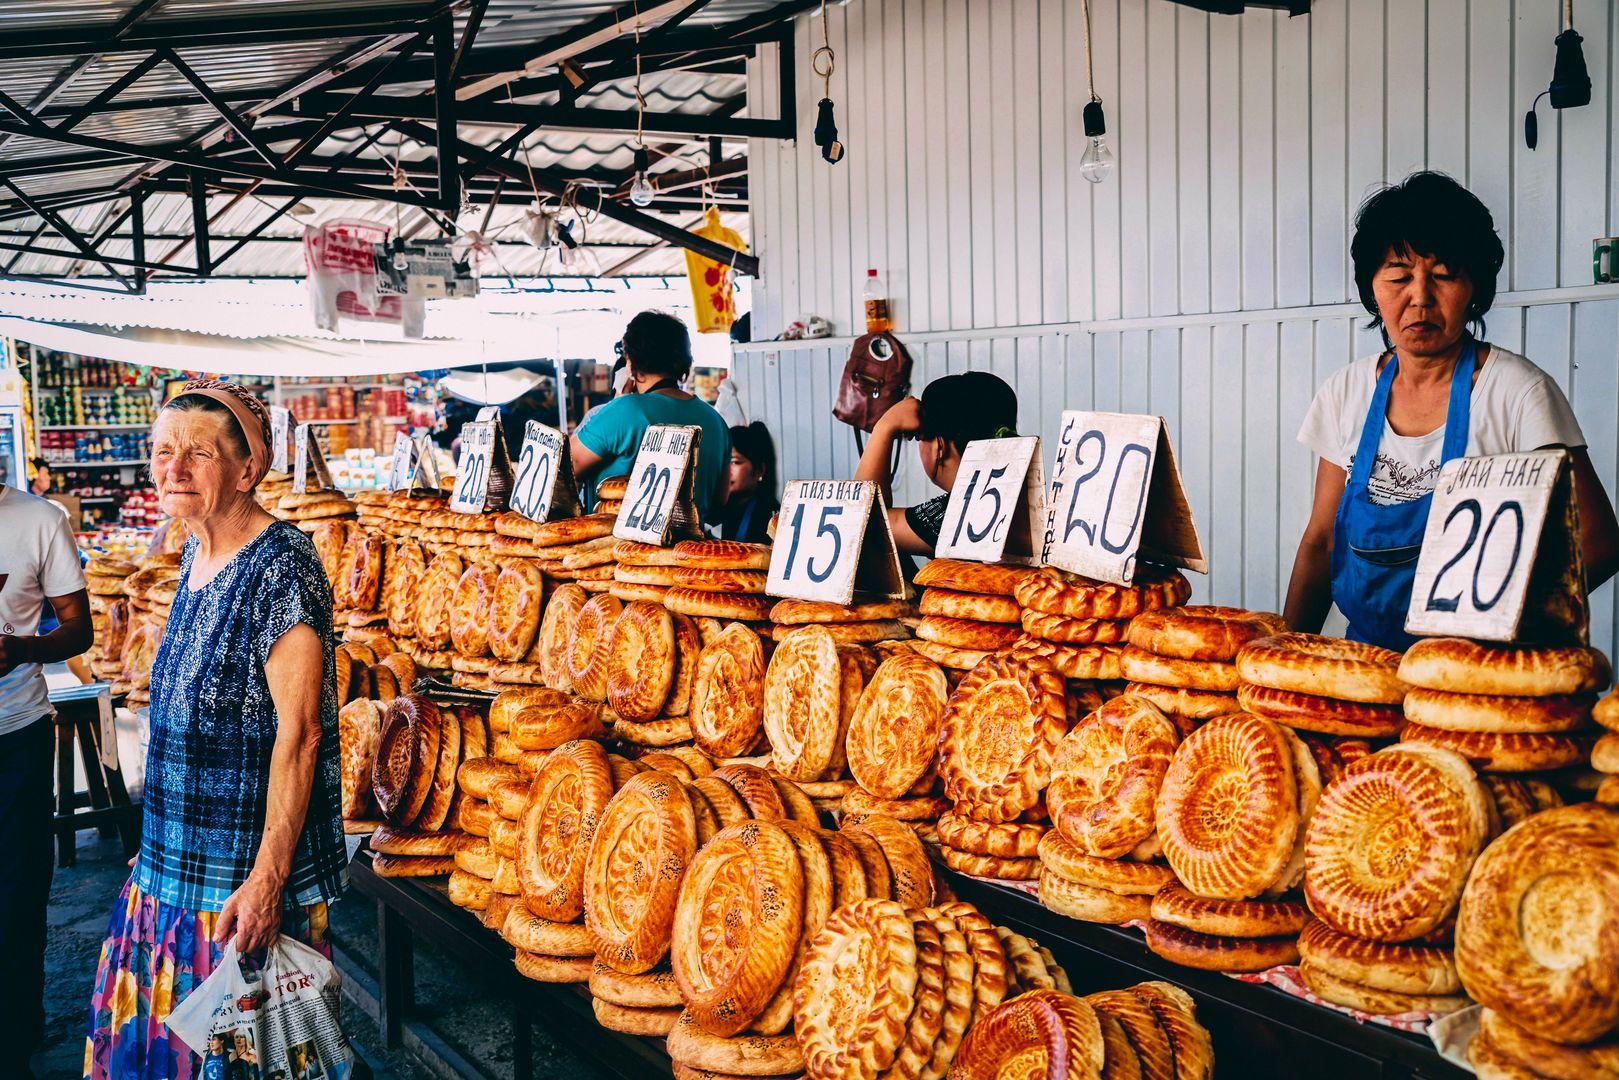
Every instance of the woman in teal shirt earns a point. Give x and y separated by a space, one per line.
658 351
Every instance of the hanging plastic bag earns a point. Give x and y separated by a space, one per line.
713 300
277 1020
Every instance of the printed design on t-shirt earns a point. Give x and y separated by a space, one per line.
1394 481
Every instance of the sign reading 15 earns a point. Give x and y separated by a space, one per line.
827 519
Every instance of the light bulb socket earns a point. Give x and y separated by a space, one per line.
1571 81
643 160
1095 122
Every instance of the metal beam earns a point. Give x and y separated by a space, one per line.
606 27
445 109
226 113
137 226
263 27
552 117
468 36
316 183
199 224
107 261
336 120
72 70
129 78
60 224
626 215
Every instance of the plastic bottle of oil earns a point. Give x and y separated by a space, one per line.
878 319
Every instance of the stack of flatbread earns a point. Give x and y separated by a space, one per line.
1098 862
1506 708
1605 753
109 613
968 611
419 748
892 743
309 509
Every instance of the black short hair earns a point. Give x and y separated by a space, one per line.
656 343
1428 214
753 442
971 405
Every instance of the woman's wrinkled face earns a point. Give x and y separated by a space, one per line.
196 471
1422 301
744 475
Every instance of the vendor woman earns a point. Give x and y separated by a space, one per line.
1426 257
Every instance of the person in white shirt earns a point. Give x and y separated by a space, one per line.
1426 257
38 562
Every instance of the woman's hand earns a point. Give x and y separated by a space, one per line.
904 417
252 913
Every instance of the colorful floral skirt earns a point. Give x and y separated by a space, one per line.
156 954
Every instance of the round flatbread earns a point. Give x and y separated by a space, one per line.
894 732
999 735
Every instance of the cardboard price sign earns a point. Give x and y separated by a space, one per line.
280 421
1500 558
659 507
832 539
403 463
476 488
544 488
998 503
1116 498
308 463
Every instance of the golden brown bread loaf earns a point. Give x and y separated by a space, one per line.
1403 969
803 702
407 758
1498 713
646 836
588 647
1228 809
359 726
894 732
1201 632
851 1019
1471 667
1323 666
721 555
981 607
1043 1033
1537 935
1106 776
971 577
999 735
641 661
1393 839
1061 593
792 612
1209 952
1325 715
1228 918
967 633
728 693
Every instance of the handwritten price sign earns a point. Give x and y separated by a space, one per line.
832 538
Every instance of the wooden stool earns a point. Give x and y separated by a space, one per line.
106 805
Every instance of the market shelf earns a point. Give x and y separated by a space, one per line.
95 427
131 464
419 906
1259 1031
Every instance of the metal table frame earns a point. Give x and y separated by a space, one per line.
412 907
1259 1031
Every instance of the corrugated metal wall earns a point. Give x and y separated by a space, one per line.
1208 279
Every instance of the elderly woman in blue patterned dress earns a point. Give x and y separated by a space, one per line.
241 836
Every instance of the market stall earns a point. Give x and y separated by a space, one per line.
1071 798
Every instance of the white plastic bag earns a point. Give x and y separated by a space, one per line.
279 1022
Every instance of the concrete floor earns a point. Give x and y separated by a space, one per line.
471 1023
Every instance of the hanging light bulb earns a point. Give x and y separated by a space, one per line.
400 262
641 192
1096 164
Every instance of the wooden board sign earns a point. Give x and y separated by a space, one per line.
544 488
659 506
403 463
832 540
997 505
309 471
280 437
481 476
1116 499
424 471
1500 558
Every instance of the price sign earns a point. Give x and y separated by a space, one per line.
659 507
1116 498
404 459
471 494
309 472
544 487
832 539
280 420
997 505
424 472
1500 560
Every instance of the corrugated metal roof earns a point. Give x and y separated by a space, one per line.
246 73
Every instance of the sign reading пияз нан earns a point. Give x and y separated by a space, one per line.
1500 557
832 539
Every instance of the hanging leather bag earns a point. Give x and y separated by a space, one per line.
877 375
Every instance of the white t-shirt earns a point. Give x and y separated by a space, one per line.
1516 406
37 559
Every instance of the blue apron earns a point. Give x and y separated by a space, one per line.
1374 547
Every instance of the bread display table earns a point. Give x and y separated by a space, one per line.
1259 1031
412 907
105 805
